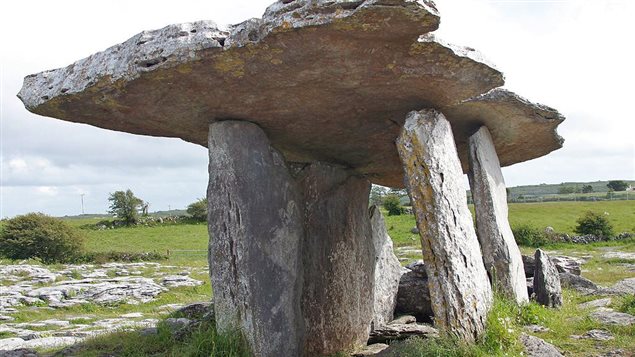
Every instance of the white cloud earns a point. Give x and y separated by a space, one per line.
47 190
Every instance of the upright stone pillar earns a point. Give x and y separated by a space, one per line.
501 255
460 291
256 232
291 253
338 258
387 271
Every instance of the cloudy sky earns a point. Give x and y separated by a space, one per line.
573 55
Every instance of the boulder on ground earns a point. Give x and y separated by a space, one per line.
413 295
537 347
547 289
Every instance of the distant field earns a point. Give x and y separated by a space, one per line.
149 239
561 216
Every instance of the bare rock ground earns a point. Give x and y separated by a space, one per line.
25 287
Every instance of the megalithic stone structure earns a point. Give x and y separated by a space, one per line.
321 90
460 291
501 255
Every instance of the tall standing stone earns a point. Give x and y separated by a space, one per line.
387 271
460 290
501 255
546 281
255 239
338 259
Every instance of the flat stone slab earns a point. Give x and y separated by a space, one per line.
329 81
609 317
537 347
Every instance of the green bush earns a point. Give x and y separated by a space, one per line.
393 205
594 223
198 210
529 236
35 235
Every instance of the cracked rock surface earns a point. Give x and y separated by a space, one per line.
327 80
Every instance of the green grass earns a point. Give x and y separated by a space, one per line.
203 341
561 216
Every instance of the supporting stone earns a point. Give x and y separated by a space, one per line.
255 240
460 290
291 250
338 258
387 271
501 255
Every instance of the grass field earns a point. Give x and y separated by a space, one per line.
561 216
570 320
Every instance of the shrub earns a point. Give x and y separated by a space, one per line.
595 224
39 236
392 205
198 210
529 236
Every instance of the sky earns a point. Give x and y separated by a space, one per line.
576 56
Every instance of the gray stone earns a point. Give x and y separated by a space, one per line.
387 271
195 311
596 303
338 259
173 281
597 335
371 350
547 289
577 283
537 328
132 315
501 255
619 255
537 347
608 317
20 352
319 228
413 296
623 287
175 324
563 263
333 108
394 332
255 237
566 264
460 291
403 320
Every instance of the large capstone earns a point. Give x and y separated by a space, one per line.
329 81
387 271
501 255
459 288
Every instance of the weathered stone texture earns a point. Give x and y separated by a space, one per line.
328 81
459 288
413 296
387 270
501 255
256 234
338 259
546 281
